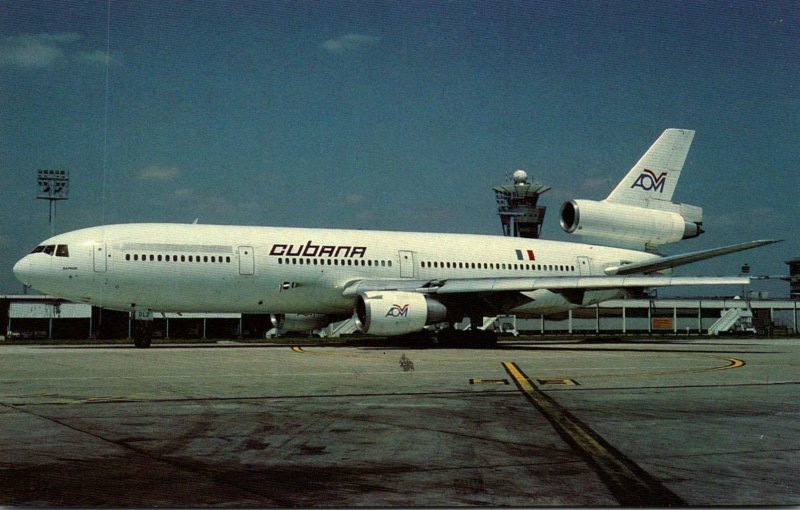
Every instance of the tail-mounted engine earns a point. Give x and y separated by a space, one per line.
395 312
630 225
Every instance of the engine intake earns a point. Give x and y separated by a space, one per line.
629 224
396 312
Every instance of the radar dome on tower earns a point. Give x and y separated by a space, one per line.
520 177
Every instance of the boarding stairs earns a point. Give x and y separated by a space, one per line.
337 329
504 323
733 319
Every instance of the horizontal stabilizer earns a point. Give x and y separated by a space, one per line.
685 258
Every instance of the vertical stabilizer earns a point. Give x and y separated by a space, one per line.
656 174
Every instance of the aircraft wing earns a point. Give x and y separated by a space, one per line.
528 284
626 276
660 264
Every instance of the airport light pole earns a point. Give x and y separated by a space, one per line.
52 185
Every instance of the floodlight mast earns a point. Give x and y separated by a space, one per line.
52 185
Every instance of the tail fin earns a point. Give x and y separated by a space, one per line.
656 174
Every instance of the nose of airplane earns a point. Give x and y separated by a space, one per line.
22 270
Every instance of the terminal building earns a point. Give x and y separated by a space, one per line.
29 317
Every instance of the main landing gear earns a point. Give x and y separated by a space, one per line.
472 338
142 334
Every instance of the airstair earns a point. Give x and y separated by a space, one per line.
337 329
733 319
502 323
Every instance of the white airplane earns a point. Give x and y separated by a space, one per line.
391 283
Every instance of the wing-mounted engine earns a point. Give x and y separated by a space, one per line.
299 321
629 225
394 313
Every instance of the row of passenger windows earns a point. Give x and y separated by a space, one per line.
59 250
62 250
427 264
178 258
334 262
493 265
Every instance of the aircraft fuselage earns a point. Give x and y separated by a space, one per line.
210 268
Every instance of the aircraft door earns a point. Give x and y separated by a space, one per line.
100 257
584 266
406 264
247 260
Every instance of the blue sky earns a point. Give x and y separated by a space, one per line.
394 115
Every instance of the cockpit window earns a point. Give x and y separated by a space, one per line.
49 249
62 250
38 249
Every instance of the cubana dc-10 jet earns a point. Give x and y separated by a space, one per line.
391 283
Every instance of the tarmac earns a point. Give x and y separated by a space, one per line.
640 422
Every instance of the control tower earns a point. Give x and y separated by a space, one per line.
516 206
794 278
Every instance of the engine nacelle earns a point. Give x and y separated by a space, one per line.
629 224
392 313
299 321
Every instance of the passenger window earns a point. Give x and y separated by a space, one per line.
49 249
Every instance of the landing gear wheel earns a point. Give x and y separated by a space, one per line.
142 342
453 338
141 335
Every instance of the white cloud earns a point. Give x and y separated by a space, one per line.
348 42
158 173
355 199
598 184
98 57
185 194
34 50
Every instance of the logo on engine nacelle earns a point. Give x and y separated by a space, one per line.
397 311
649 182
